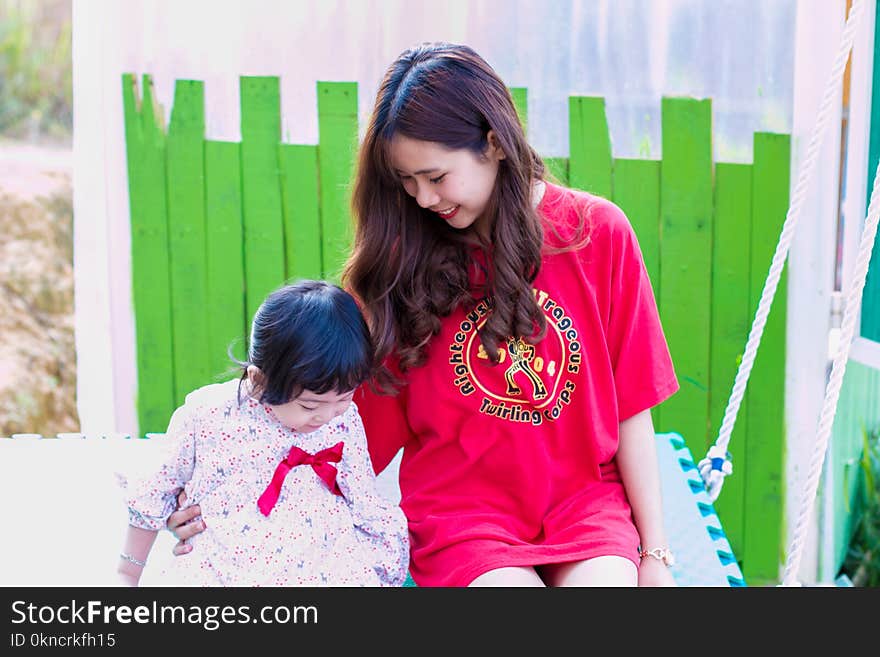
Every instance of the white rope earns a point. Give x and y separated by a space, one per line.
712 473
835 382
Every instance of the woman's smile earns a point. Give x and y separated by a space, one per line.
448 213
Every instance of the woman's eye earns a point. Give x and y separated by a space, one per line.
438 179
308 408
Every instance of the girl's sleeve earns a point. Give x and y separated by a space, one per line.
380 524
152 496
385 424
643 371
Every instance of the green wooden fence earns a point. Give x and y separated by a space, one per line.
217 225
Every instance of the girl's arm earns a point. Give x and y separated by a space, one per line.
153 496
380 523
637 463
136 547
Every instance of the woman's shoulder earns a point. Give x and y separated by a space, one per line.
575 216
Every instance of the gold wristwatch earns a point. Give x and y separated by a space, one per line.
662 554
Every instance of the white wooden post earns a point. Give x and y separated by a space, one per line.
811 259
96 246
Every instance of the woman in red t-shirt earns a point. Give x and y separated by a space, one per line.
518 336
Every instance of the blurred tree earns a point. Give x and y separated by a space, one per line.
36 93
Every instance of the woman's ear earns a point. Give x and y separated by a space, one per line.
493 148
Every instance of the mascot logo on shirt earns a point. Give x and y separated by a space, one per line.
531 383
521 356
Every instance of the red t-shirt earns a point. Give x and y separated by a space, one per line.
513 464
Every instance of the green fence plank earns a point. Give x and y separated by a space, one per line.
520 97
557 168
151 287
731 320
765 441
261 188
185 172
636 185
338 139
637 192
302 218
686 263
589 165
227 323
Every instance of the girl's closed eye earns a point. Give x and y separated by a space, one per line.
438 178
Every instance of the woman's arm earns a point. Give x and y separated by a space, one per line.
385 424
637 463
137 546
184 524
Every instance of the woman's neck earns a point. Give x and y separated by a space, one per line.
538 190
482 228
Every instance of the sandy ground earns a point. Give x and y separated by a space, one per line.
37 351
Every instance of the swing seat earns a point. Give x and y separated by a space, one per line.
702 553
89 490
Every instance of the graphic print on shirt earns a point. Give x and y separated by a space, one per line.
530 383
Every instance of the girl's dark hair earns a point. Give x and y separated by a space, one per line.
309 335
408 269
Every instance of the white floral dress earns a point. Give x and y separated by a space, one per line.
224 455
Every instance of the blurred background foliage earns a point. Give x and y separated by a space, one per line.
36 91
862 564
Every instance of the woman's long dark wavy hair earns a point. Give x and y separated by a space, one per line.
407 268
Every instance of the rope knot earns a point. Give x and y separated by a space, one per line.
714 468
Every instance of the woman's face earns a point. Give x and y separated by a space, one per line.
454 184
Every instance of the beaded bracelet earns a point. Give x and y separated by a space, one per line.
130 558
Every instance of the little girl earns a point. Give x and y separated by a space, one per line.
277 461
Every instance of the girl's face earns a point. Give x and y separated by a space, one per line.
311 410
454 184
307 412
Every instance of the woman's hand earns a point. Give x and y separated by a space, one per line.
653 572
184 524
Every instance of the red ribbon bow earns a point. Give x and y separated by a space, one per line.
321 462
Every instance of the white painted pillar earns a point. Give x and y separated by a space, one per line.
96 391
811 259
